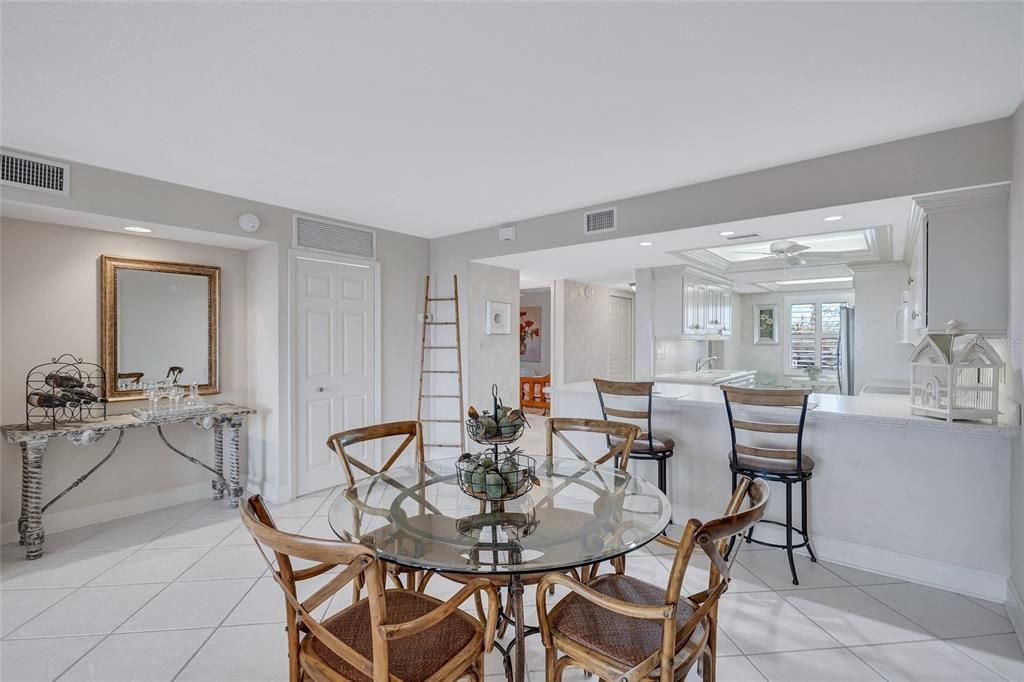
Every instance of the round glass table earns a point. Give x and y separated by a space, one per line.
576 514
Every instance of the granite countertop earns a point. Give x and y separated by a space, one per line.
882 409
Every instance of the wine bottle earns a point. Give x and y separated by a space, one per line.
40 399
79 394
61 380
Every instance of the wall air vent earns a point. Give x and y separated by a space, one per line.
41 175
336 238
748 235
601 220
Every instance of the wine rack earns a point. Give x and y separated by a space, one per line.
65 390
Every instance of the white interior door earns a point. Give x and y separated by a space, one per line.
335 364
620 343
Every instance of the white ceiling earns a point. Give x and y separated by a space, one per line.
613 262
434 118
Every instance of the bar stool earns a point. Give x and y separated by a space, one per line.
782 465
646 446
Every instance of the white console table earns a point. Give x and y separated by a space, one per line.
34 442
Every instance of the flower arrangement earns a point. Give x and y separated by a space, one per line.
528 331
813 372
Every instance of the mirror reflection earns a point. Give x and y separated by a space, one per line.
162 321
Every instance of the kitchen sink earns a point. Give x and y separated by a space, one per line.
708 376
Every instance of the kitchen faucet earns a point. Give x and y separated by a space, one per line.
704 362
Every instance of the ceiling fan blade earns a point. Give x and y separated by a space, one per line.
796 248
793 259
757 253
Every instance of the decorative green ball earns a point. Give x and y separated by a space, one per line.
478 480
495 486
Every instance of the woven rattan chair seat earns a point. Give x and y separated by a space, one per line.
410 659
626 640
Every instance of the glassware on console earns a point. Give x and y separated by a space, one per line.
194 400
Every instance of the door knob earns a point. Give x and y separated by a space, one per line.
321 389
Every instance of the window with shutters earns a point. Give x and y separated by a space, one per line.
812 331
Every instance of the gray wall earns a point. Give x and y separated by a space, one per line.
50 302
1014 376
127 199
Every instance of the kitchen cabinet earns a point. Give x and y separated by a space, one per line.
959 272
690 305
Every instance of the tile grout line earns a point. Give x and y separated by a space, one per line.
114 631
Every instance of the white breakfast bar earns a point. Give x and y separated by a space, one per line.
906 496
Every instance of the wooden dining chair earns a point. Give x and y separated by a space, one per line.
413 434
392 634
621 628
782 462
412 430
619 437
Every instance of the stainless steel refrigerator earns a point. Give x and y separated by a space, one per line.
844 357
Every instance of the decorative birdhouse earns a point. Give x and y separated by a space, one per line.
955 376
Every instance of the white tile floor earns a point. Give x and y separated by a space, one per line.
180 594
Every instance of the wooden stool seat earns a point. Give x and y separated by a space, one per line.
651 445
751 465
412 659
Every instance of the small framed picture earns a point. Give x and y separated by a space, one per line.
499 318
766 323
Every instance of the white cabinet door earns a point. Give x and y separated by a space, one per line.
692 308
668 305
725 314
334 365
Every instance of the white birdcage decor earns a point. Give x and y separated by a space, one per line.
955 376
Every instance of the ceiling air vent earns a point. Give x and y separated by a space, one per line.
601 220
337 238
29 172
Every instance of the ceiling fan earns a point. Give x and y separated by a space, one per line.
784 249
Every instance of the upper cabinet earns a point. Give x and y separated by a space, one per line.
959 268
690 305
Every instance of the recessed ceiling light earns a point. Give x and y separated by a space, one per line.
646 243
820 280
832 218
135 228
727 233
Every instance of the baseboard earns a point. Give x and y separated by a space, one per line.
961 579
69 519
278 494
1015 608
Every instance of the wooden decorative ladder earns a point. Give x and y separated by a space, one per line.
430 344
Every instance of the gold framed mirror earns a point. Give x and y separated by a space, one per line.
158 321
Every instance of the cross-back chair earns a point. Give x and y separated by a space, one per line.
338 442
638 396
618 449
621 628
787 465
623 434
392 634
412 430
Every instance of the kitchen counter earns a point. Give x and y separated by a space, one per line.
871 408
894 493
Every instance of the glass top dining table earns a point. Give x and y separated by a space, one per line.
575 514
